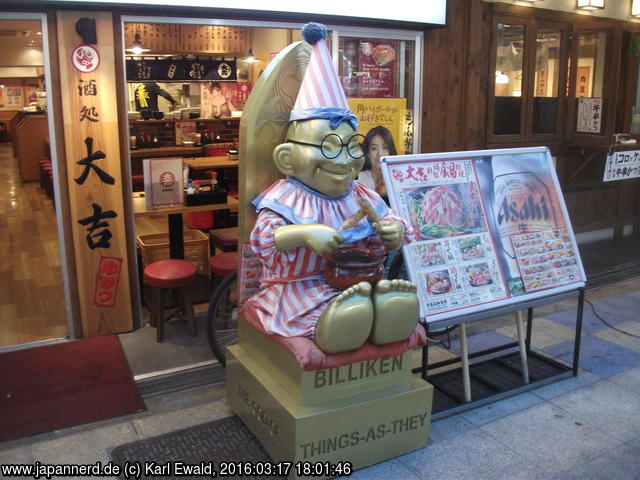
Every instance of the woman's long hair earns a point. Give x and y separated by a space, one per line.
386 136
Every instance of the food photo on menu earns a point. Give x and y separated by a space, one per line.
431 254
439 282
471 248
446 210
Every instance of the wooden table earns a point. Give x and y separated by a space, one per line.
206 163
176 235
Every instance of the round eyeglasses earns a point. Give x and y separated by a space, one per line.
332 145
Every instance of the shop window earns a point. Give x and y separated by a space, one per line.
508 79
529 60
378 78
595 61
546 81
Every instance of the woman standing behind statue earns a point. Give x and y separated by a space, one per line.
214 103
378 143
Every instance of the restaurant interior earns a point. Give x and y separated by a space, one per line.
196 120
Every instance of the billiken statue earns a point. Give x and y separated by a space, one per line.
303 217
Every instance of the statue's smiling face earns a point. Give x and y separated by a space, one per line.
305 156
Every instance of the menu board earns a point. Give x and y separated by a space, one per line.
492 228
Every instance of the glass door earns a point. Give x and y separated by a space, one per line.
33 266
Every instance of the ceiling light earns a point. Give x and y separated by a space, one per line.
590 4
250 58
136 46
502 78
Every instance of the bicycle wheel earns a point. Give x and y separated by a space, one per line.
398 269
222 317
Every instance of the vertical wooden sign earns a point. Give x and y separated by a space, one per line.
88 92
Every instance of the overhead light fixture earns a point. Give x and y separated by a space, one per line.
250 58
136 46
635 8
502 78
589 4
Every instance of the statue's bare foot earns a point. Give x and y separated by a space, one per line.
396 311
346 323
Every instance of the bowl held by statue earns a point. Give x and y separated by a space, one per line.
348 266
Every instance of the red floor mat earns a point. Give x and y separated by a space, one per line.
65 384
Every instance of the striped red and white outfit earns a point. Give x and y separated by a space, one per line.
294 292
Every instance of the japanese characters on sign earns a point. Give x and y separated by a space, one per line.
172 70
387 112
622 165
86 59
492 228
589 115
107 281
455 261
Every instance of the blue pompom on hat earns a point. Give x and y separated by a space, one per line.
314 32
321 94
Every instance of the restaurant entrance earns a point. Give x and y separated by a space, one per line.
32 297
195 76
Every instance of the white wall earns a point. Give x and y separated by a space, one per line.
21 57
268 40
618 9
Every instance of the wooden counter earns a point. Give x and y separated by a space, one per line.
206 163
29 144
165 152
141 209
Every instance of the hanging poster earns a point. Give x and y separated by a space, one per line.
13 97
184 131
386 112
589 115
30 93
220 99
377 68
622 165
492 225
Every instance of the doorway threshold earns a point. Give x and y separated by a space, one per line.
177 379
36 343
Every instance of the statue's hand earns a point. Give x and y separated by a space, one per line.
319 238
391 233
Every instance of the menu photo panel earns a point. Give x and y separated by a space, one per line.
492 228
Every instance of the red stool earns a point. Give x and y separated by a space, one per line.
222 265
225 239
165 275
137 182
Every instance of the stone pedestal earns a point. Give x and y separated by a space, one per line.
363 413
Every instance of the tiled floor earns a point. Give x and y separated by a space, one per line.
587 427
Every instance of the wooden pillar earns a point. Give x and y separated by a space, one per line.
88 97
